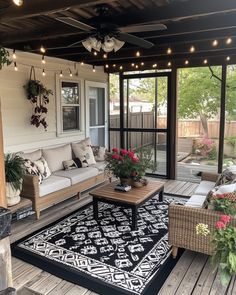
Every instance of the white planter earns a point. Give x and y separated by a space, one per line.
12 195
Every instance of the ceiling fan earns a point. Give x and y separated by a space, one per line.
107 36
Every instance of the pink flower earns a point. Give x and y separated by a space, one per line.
115 150
123 152
135 160
115 156
220 225
225 218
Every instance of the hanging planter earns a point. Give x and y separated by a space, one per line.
4 57
38 95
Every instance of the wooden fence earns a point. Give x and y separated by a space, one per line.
187 128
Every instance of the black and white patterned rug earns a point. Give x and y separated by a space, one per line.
106 257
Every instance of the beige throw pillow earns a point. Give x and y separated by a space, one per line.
43 168
99 153
83 151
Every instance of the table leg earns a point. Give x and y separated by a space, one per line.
134 217
95 208
161 195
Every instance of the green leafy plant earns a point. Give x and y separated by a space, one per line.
225 203
38 95
4 57
14 170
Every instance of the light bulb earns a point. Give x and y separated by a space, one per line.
186 62
14 54
205 61
228 58
82 63
154 65
121 67
43 73
215 43
138 54
142 63
169 51
42 49
15 66
94 69
192 49
43 60
107 66
169 64
18 2
70 73
61 75
132 64
104 55
229 41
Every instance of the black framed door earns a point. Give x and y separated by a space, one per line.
145 116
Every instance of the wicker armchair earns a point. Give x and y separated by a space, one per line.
182 226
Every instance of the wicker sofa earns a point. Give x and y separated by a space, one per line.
61 184
183 220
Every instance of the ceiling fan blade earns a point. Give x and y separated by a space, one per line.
143 28
75 23
135 40
75 43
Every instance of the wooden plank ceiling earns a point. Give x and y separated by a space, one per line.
189 23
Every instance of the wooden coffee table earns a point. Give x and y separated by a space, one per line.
132 199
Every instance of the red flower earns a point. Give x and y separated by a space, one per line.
220 225
225 218
115 150
131 154
116 157
123 152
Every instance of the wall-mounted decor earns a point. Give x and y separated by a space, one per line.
38 95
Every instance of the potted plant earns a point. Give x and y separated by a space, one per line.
14 171
4 57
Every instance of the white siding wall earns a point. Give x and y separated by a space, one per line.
16 109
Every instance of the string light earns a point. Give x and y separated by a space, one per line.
106 66
15 66
114 65
192 49
215 43
70 73
43 73
229 41
205 61
95 53
228 58
169 50
186 62
94 70
43 60
169 64
136 66
121 67
61 75
42 49
154 65
142 63
138 53
14 54
132 64
104 55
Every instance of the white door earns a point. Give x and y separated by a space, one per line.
96 98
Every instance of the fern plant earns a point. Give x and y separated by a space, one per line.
14 170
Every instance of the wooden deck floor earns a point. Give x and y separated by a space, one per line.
193 273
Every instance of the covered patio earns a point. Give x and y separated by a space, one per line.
150 75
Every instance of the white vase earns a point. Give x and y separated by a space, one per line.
13 196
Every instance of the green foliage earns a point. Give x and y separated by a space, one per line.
14 170
225 203
4 57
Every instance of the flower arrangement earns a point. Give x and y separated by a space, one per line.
205 147
224 240
225 203
129 164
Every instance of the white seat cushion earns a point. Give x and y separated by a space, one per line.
100 166
52 184
78 175
196 201
204 187
226 188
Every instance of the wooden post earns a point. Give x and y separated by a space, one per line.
5 251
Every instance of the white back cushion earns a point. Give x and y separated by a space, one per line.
33 156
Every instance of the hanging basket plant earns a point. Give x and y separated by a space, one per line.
38 95
4 57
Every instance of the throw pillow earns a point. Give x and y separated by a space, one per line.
81 164
43 167
99 153
69 165
227 188
227 176
83 152
32 169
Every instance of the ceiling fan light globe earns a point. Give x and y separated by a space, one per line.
97 46
109 43
87 45
118 44
106 49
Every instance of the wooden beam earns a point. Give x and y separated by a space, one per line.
43 7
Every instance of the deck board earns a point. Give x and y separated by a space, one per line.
193 273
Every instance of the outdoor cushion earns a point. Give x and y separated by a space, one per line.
32 169
56 156
43 168
196 201
33 156
227 188
100 166
204 187
52 184
77 175
83 152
